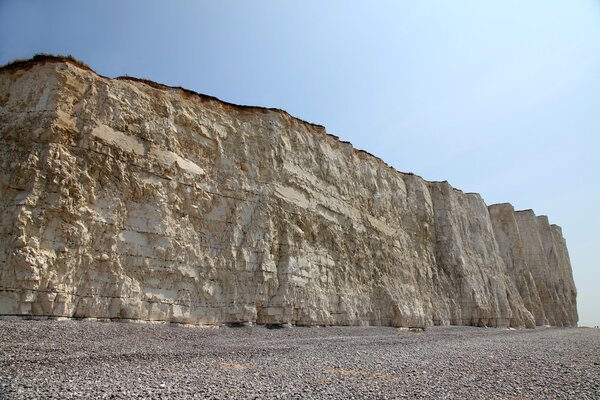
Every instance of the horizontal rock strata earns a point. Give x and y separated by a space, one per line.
126 199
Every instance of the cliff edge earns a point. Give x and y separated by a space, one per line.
126 199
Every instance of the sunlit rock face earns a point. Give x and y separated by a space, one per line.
537 259
125 199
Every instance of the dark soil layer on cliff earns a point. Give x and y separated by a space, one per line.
82 359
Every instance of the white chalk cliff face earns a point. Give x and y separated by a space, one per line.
124 199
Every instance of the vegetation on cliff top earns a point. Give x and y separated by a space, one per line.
41 57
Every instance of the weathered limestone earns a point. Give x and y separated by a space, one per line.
535 254
469 257
127 199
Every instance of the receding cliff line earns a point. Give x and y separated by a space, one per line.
127 199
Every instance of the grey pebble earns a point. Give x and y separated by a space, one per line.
85 359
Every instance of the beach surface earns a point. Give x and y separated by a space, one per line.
51 359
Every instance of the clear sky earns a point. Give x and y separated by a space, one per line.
497 97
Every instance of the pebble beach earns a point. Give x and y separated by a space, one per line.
71 359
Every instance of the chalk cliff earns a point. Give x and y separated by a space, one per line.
126 199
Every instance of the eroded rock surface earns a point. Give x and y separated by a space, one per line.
126 199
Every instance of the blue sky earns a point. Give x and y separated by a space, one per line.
497 97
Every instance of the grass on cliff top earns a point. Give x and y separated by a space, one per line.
42 57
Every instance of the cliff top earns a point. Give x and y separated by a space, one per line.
42 58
